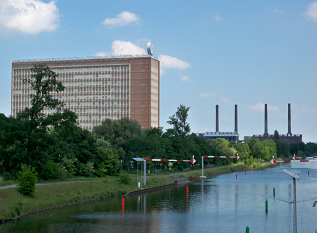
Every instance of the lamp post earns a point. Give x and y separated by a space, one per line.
295 177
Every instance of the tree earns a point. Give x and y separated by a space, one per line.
44 83
270 149
27 138
118 132
276 137
283 150
179 121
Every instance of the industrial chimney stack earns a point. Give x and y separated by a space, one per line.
217 118
265 122
236 118
289 133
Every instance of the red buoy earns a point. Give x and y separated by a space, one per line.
122 201
236 176
186 189
245 172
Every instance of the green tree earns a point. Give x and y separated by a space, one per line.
269 149
27 138
27 177
118 132
283 150
276 137
179 121
111 163
44 83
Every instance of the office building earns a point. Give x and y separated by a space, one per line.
98 88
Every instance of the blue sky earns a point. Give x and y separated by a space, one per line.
212 52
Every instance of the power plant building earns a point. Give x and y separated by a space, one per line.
97 88
230 136
289 137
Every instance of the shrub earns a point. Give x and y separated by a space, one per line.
27 177
62 174
125 179
50 171
86 169
101 170
7 176
68 165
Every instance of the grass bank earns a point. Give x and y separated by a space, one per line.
13 203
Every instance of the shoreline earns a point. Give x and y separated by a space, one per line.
191 175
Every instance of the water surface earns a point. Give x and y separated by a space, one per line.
220 204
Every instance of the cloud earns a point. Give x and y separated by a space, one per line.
309 111
168 62
217 18
206 95
120 47
260 108
311 13
122 19
185 78
101 54
29 16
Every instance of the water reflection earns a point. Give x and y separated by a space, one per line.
220 204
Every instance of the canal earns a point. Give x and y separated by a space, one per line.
220 204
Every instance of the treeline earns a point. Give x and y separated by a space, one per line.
300 149
176 142
56 147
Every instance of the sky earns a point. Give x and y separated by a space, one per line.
248 53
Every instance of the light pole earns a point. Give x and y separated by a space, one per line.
295 177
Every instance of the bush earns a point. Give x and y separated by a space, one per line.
50 171
125 179
27 177
62 174
7 176
101 170
86 169
68 165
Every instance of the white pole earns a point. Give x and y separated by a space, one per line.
295 210
202 166
144 173
137 173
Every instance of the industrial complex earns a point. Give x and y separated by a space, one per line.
230 136
289 137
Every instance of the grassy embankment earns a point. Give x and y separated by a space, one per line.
13 204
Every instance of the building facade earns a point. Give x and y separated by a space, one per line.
98 88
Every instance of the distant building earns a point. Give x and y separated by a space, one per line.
289 137
247 138
98 88
230 136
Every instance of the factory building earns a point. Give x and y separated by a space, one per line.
289 137
230 136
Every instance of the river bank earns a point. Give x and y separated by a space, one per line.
14 205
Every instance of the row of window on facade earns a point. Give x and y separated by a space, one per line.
15 104
78 69
79 77
113 111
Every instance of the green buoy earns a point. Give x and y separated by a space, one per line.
247 230
266 206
